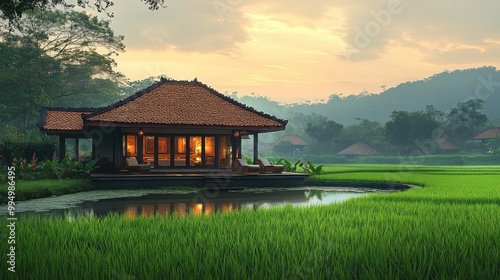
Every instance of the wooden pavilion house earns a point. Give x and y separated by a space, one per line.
296 144
488 134
171 125
358 149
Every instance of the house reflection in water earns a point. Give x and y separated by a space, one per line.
191 204
180 209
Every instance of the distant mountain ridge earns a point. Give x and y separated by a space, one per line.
443 91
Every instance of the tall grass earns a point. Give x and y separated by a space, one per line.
45 188
447 230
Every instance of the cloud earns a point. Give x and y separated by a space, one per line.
265 45
186 26
437 25
367 27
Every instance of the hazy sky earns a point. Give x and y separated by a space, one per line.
291 50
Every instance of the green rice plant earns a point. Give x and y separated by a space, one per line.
446 230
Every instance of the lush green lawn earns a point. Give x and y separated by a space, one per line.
45 188
447 230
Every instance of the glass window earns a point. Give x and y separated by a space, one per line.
69 145
148 150
225 150
164 151
195 151
210 151
85 148
131 145
179 151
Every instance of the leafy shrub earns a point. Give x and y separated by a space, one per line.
312 169
288 166
10 149
52 169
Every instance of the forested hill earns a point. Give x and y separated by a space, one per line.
443 90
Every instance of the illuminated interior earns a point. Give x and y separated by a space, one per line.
181 151
195 151
210 151
225 159
131 141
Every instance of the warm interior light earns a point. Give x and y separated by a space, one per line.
141 132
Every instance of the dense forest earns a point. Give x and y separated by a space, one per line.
443 91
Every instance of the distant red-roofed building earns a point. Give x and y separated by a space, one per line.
358 149
293 142
489 140
447 145
171 124
488 134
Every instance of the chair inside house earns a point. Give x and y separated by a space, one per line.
134 167
243 167
266 167
210 161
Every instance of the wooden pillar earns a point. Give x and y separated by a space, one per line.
203 157
217 151
238 145
188 150
94 156
62 147
76 151
155 151
117 149
139 148
234 149
255 148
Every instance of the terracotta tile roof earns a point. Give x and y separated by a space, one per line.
294 139
446 144
171 102
58 119
358 149
491 133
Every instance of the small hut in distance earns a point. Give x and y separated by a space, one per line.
290 143
358 149
488 134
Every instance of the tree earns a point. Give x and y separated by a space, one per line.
323 131
26 78
407 129
366 131
13 10
135 86
51 58
464 120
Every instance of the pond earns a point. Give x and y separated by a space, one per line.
164 202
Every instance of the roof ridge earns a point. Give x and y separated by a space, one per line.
243 106
71 109
195 82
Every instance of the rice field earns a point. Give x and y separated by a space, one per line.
450 229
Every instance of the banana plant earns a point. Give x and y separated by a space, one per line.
288 166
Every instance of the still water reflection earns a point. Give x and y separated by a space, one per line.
182 204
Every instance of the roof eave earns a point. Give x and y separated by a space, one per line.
182 126
59 132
